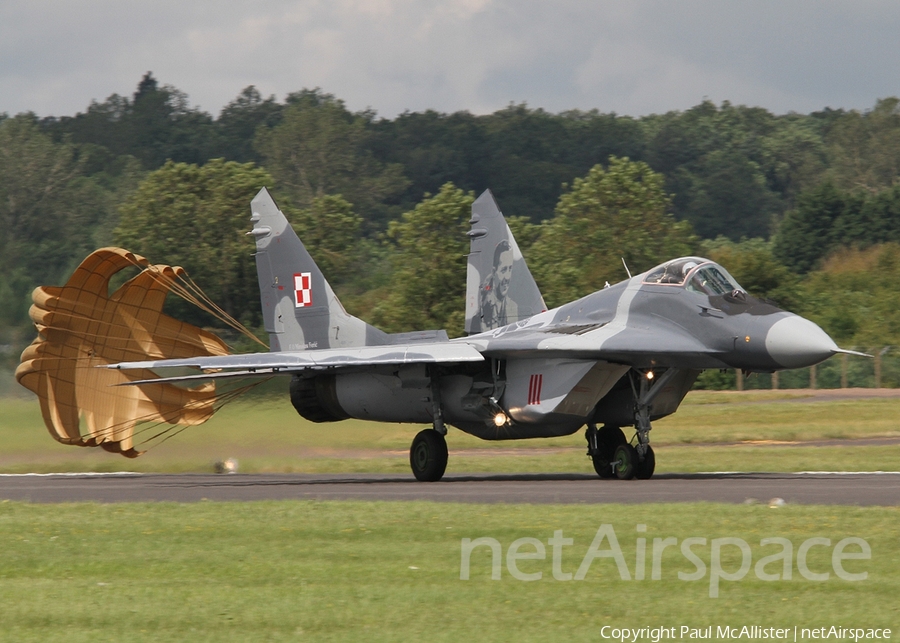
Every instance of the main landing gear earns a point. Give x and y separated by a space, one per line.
428 453
428 456
614 457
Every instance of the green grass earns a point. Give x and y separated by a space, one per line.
265 434
342 571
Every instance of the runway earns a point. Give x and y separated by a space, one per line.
879 488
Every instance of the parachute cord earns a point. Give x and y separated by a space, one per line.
187 289
171 430
221 402
183 286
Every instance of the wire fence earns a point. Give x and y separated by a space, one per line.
841 371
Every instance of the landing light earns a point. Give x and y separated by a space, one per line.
650 375
500 419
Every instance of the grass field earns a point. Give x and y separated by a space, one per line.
721 431
342 571
349 571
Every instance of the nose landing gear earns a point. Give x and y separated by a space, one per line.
628 463
611 453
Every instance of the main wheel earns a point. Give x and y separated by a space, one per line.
428 456
644 470
625 460
608 438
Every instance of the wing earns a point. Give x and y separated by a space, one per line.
264 364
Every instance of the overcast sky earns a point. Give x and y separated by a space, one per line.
629 56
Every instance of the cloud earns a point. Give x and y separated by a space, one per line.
637 57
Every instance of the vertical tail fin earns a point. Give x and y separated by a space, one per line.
300 310
499 287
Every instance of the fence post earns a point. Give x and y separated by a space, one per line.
878 368
843 370
740 379
812 377
775 380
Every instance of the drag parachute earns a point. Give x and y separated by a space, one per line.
82 326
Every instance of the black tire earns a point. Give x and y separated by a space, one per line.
644 470
608 439
625 460
428 456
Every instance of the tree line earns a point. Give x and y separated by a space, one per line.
802 209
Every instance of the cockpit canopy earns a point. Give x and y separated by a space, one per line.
695 274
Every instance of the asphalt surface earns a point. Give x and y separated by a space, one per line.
793 488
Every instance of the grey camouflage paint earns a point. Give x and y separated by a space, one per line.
549 372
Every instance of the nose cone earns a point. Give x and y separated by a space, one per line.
795 342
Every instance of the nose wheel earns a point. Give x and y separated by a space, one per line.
643 469
628 463
428 456
614 457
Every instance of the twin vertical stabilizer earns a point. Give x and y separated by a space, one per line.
499 287
300 310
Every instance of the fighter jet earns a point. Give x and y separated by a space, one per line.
621 357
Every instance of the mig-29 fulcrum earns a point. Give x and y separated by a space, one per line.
623 356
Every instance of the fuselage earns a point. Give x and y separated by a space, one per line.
552 373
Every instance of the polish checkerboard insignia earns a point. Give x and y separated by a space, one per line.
303 289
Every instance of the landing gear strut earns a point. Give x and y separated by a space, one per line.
428 453
644 394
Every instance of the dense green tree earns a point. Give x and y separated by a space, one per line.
827 217
197 217
794 156
808 232
725 166
238 121
428 253
610 214
157 124
48 212
528 160
825 180
523 155
319 148
727 195
330 230
876 219
865 147
434 149
854 296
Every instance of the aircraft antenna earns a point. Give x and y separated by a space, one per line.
626 267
